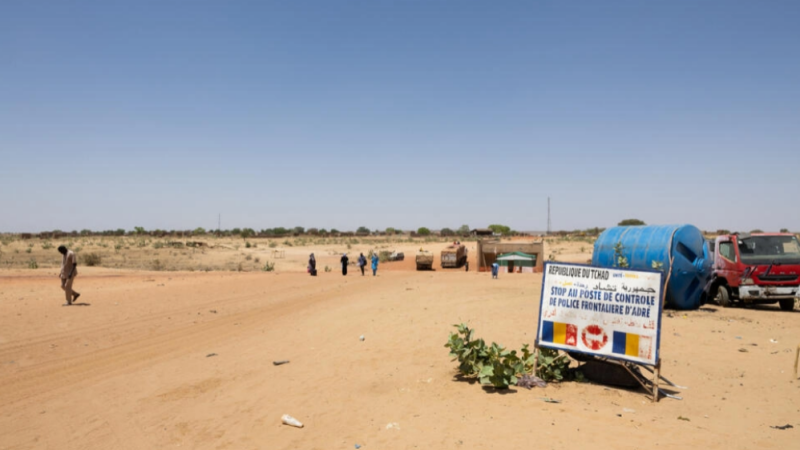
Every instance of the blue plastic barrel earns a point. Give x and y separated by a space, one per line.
643 245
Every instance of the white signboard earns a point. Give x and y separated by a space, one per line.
614 313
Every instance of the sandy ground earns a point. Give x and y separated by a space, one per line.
184 359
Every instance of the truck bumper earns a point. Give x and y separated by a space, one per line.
755 293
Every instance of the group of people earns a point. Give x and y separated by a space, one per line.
345 260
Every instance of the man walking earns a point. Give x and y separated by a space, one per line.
69 270
362 261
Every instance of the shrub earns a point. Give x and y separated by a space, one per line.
47 245
495 365
287 243
447 232
158 245
501 229
92 259
273 244
491 364
157 265
28 250
269 266
327 269
552 366
631 222
257 260
247 245
423 231
32 264
248 257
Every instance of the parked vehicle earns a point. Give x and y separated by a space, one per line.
761 268
397 256
424 260
454 256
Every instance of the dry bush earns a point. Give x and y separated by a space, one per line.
92 259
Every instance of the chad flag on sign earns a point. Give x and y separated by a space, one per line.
559 333
630 344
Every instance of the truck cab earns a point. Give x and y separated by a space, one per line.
759 268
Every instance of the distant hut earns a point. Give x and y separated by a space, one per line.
516 262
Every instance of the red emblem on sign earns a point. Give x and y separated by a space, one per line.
594 337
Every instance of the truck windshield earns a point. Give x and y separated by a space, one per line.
769 250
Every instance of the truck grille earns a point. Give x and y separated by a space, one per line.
777 277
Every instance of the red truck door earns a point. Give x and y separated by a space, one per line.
726 262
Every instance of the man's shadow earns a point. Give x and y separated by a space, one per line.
78 304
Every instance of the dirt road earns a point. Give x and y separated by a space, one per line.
162 360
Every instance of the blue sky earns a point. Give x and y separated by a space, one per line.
339 114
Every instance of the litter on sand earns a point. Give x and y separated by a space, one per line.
289 420
530 381
278 363
550 400
782 427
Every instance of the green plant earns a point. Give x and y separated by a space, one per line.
619 259
491 364
158 245
552 366
92 259
631 222
157 265
247 245
32 264
269 266
327 269
28 250
423 231
273 244
287 243
501 229
47 245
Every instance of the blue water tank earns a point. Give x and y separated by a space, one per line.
642 245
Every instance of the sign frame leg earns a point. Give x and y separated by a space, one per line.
656 376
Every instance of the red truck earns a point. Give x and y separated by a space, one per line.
754 268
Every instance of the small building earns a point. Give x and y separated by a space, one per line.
516 262
490 250
481 232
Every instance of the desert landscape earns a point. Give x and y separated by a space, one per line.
183 357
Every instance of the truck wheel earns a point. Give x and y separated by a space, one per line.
723 298
787 304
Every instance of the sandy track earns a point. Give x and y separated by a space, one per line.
131 369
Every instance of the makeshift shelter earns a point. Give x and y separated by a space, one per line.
516 262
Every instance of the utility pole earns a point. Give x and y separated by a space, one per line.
219 224
549 224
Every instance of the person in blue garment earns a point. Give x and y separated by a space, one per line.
374 263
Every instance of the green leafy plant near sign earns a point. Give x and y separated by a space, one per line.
552 366
495 365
